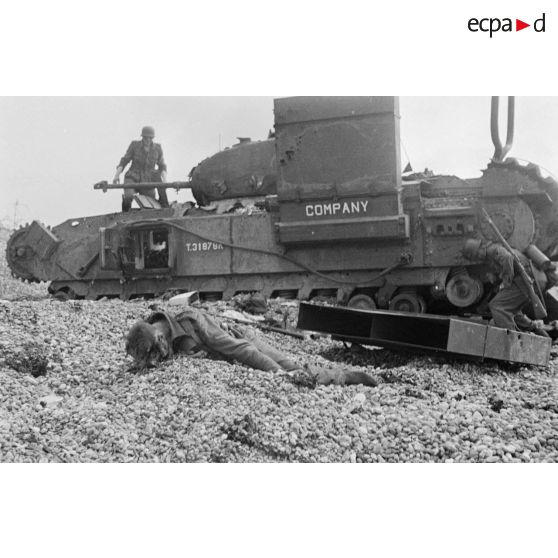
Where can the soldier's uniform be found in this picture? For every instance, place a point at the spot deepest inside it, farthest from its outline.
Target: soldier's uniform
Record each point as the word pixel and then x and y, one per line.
pixel 193 331
pixel 147 165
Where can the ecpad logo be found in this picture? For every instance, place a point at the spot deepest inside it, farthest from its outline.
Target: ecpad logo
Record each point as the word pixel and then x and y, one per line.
pixel 494 24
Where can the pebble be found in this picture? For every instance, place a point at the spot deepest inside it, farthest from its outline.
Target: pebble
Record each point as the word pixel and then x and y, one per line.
pixel 450 447
pixel 50 400
pixel 359 399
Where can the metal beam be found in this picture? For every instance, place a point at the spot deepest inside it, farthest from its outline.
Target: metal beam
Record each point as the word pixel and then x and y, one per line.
pixel 426 333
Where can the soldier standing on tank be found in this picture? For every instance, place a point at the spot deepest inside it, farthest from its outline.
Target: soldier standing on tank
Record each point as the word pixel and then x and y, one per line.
pixel 148 165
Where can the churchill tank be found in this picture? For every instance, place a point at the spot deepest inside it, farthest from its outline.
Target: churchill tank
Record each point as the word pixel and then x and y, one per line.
pixel 320 208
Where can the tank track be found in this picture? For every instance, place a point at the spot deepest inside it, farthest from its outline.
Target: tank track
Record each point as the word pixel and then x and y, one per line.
pixel 547 184
pixel 532 171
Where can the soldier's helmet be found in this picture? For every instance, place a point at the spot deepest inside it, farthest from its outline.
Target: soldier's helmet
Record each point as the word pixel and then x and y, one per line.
pixel 474 249
pixel 147 132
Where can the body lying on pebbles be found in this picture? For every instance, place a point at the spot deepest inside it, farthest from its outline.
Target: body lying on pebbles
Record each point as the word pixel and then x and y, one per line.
pixel 85 405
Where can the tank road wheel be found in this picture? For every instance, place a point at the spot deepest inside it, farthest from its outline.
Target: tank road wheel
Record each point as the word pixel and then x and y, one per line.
pixel 64 294
pixel 463 290
pixel 408 302
pixel 362 302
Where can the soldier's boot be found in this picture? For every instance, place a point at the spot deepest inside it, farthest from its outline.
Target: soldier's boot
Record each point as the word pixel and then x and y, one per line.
pixel 541 332
pixel 126 204
pixel 163 200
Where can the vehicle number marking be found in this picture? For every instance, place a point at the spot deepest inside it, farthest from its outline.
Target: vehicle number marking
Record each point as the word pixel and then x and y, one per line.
pixel 203 246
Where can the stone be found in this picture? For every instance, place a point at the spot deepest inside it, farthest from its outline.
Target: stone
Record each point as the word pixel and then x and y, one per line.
pixel 50 401
pixel 450 447
pixel 184 299
pixel 359 399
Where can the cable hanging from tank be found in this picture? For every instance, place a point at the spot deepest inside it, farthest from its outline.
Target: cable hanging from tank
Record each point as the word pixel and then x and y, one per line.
pixel 405 259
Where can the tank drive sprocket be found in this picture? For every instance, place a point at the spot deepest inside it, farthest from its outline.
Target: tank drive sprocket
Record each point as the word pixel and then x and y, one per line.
pixel 515 221
pixel 545 216
pixel 17 251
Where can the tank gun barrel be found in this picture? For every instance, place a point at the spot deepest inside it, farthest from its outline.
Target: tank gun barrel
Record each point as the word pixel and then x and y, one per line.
pixel 104 186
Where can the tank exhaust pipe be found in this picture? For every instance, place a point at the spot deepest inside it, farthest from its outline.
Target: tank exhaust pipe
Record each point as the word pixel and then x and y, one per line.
pixel 499 151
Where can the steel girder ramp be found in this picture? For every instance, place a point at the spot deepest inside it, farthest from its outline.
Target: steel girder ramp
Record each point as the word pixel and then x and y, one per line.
pixel 425 332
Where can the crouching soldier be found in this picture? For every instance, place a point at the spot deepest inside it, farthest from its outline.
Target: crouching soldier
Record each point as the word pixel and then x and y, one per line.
pixel 518 300
pixel 192 332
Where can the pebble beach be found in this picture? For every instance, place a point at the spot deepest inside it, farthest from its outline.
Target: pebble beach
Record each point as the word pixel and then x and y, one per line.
pixel 67 395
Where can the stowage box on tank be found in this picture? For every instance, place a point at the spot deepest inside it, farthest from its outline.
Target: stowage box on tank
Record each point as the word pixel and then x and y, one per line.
pixel 340 177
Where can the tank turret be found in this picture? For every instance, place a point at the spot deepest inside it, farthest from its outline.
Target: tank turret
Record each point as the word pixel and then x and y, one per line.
pixel 245 170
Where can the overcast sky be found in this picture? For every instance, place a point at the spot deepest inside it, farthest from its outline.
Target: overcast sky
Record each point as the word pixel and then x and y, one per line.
pixel 53 149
